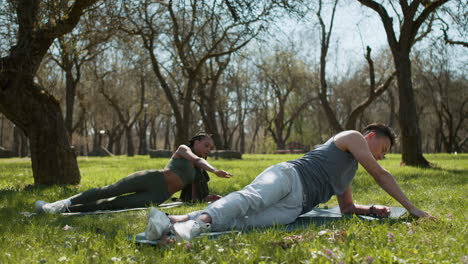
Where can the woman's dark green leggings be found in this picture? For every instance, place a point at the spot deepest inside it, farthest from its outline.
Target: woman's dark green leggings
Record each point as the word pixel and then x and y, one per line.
pixel 139 189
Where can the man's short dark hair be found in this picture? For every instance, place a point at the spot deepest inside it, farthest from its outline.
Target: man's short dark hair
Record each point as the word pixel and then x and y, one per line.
pixel 380 130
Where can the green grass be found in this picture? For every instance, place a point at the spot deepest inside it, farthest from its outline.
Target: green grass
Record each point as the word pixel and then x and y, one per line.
pixel 102 238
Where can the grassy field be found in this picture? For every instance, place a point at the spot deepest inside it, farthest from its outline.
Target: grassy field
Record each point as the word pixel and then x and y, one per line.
pixel 102 238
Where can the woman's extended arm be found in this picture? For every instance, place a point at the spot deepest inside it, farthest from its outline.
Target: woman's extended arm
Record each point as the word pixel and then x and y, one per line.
pixel 185 152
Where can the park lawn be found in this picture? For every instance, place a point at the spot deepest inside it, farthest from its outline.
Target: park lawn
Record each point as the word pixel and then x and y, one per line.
pixel 102 238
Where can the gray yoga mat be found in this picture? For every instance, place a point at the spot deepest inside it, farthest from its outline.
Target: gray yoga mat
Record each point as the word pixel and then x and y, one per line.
pixel 164 206
pixel 321 216
pixel 317 216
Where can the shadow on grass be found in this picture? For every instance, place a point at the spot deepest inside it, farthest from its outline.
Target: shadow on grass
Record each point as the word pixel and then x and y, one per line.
pixel 446 176
pixel 32 190
pixel 13 201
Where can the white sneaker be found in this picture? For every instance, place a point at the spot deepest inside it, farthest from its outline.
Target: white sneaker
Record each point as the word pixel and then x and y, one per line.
pixel 38 206
pixel 55 207
pixel 158 223
pixel 189 229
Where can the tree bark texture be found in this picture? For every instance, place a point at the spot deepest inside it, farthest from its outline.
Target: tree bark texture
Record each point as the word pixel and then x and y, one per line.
pixel 411 146
pixel 401 47
pixel 28 105
pixel 39 115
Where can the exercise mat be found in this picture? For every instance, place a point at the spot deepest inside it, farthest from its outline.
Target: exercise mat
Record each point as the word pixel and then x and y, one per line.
pixel 164 206
pixel 317 216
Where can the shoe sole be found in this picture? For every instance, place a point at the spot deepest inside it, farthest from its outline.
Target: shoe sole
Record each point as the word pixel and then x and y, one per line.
pixel 156 216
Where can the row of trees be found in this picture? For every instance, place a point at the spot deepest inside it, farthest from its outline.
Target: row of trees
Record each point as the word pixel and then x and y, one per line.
pixel 154 72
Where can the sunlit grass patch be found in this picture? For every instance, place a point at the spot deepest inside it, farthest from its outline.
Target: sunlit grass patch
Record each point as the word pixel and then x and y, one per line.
pixel 102 238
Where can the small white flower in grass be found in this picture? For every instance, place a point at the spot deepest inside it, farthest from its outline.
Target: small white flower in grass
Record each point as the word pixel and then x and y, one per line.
pixel 220 249
pixel 7 254
pixel 323 232
pixel 63 259
pixel 314 253
pixel 116 259
pixel 67 228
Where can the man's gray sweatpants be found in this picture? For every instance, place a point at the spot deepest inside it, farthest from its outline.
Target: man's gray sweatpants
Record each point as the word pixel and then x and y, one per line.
pixel 274 197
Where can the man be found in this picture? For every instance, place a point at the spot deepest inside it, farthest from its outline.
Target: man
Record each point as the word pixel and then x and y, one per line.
pixel 284 191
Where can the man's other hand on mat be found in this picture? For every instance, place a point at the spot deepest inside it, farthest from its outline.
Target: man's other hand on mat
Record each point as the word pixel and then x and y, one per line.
pixel 381 211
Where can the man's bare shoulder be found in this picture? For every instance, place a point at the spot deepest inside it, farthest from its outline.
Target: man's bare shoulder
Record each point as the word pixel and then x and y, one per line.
pixel 345 139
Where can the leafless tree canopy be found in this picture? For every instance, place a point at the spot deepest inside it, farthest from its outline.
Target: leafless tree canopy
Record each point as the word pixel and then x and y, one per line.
pixel 97 77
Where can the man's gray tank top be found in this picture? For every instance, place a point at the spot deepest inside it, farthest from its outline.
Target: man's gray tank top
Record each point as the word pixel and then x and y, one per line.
pixel 324 172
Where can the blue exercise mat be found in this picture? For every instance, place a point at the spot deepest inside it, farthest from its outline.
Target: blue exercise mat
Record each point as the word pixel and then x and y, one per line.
pixel 321 216
pixel 317 216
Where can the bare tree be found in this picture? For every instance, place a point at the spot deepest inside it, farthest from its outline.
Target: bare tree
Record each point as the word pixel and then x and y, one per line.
pixel 75 49
pixel 375 88
pixel 284 76
pixel 182 37
pixel 126 109
pixel 373 93
pixel 448 96
pixel 208 99
pixel 414 14
pixel 453 21
pixel 26 103
pixel 324 47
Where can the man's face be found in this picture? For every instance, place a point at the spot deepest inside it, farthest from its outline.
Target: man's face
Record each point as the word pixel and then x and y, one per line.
pixel 378 145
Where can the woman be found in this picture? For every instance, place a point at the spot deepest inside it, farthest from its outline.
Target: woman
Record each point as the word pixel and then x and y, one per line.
pixel 144 187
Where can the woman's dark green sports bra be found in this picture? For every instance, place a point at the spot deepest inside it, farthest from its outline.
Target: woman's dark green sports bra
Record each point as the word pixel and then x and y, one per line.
pixel 183 168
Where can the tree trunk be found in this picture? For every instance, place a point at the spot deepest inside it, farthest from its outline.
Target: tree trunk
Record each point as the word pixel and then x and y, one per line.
pixel 143 146
pixel 153 137
pixel 31 107
pixel 211 125
pixel 70 91
pixel 254 138
pixel 20 142
pixel 242 137
pixel 408 118
pixel 167 140
pixel 37 113
pixel 208 113
pixel 130 147
pixel 391 115
pixel 1 130
pixel 118 145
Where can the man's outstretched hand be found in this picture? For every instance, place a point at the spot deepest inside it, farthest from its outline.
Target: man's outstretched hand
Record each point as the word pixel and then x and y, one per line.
pixel 421 214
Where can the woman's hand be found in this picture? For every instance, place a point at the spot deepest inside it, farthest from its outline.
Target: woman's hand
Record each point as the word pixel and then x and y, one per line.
pixel 222 174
